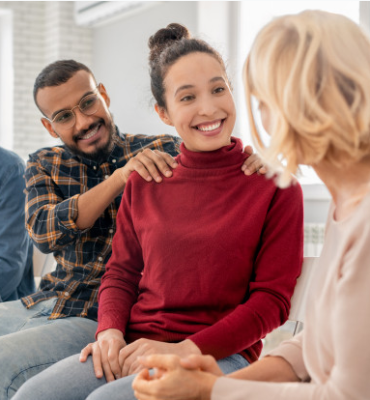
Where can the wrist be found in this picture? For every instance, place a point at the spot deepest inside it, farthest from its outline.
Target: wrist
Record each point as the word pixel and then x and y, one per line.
pixel 118 180
pixel 207 383
pixel 110 334
pixel 188 347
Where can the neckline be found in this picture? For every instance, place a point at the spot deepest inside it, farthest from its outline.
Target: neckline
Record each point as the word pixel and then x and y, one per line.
pixel 352 215
pixel 224 157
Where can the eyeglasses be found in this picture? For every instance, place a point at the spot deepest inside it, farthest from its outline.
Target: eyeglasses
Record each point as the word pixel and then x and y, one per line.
pixel 66 119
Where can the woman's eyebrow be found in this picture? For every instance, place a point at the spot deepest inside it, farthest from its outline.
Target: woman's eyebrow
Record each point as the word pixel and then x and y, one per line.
pixel 183 88
pixel 215 79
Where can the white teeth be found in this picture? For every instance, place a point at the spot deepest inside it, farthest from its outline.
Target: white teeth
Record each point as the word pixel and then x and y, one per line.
pixel 91 133
pixel 207 128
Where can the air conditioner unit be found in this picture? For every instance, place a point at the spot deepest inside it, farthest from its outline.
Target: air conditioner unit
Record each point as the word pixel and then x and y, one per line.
pixel 97 13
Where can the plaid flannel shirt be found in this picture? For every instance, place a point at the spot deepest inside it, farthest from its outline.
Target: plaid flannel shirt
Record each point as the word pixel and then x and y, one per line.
pixel 55 178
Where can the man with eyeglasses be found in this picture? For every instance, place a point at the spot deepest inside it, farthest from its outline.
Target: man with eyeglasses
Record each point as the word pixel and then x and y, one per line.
pixel 73 194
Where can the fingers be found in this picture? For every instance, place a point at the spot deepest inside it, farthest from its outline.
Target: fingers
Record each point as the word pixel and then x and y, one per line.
pixel 142 386
pixel 150 164
pixel 248 150
pixel 127 356
pixel 168 161
pixel 113 358
pixel 105 358
pixel 85 352
pixel 262 170
pixel 204 363
pixel 135 367
pixel 160 361
pixel 97 363
pixel 252 164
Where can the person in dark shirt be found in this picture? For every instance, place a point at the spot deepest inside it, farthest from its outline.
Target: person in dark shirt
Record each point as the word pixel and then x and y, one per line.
pixel 16 249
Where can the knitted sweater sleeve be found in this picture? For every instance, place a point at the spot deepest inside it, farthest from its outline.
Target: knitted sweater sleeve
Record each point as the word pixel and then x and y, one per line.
pixel 277 265
pixel 119 285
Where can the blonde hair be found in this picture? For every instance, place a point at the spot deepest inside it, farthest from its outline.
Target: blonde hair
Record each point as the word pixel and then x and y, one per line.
pixel 313 72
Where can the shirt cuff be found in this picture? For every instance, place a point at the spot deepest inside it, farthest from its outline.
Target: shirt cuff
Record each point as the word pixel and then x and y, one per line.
pixel 67 213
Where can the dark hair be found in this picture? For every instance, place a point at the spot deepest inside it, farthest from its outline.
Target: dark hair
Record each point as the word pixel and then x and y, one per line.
pixel 168 45
pixel 56 74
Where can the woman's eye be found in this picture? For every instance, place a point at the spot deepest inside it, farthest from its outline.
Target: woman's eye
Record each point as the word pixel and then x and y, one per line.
pixel 219 90
pixel 187 98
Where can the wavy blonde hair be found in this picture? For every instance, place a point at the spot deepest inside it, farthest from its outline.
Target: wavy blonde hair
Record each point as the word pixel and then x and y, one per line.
pixel 313 72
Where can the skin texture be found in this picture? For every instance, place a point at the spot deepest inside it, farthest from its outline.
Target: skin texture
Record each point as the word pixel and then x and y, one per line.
pixel 199 102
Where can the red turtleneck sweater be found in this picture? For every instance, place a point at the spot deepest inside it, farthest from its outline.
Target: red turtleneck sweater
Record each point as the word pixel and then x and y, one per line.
pixel 210 255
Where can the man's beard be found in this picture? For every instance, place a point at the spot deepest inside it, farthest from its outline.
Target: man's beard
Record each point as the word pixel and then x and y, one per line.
pixel 101 154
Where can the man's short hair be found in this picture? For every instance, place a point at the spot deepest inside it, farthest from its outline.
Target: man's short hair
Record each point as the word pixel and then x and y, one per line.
pixel 56 74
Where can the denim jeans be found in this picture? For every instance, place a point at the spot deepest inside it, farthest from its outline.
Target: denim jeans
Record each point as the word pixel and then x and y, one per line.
pixel 70 379
pixel 30 343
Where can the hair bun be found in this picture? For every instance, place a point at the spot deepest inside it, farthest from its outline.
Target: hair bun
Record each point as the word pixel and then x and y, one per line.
pixel 165 37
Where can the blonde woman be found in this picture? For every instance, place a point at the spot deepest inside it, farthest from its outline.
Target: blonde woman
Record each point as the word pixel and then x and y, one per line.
pixel 311 76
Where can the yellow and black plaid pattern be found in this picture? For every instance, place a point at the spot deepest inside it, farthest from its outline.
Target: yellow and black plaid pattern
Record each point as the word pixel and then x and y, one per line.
pixel 55 179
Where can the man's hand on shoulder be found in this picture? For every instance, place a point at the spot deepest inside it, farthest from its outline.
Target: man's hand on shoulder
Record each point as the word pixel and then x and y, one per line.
pixel 253 163
pixel 149 164
pixel 153 164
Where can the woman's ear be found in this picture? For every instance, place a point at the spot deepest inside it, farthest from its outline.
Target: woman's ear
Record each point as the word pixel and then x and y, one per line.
pixel 163 115
pixel 49 127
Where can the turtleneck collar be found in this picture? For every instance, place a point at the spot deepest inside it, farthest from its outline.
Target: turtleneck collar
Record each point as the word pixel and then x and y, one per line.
pixel 224 157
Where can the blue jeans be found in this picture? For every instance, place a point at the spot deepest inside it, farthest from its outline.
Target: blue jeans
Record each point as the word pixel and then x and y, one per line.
pixel 30 343
pixel 70 379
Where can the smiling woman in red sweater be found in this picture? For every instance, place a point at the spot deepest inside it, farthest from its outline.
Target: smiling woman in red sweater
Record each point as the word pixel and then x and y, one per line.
pixel 310 73
pixel 205 262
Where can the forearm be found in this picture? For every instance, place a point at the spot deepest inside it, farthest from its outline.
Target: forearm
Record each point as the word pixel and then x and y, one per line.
pixel 246 325
pixel 92 203
pixel 268 369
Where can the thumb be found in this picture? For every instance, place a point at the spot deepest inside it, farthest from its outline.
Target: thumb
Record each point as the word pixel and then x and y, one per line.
pixel 248 150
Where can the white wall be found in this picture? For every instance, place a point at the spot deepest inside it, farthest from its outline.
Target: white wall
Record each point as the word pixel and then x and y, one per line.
pixel 120 62
pixel 43 32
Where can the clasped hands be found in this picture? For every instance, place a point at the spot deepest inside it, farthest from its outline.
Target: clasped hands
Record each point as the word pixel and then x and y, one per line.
pixel 175 378
pixel 114 359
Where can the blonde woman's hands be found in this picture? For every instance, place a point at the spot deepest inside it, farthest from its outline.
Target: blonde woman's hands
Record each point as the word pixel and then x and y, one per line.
pixel 171 380
pixel 105 354
pixel 203 363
